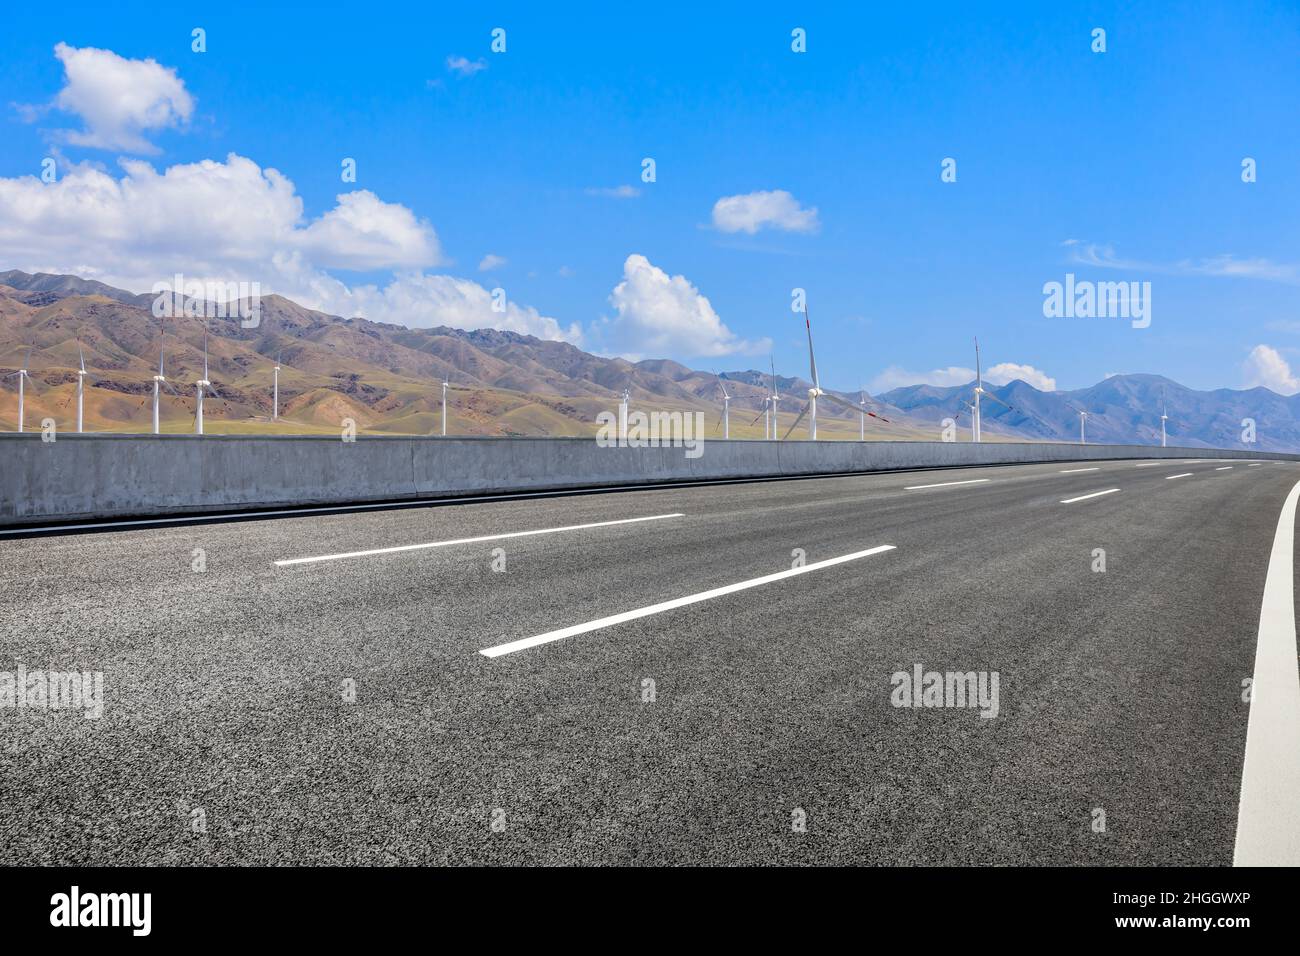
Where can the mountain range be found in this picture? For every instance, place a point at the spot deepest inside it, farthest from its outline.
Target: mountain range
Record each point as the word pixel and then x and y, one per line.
pixel 387 378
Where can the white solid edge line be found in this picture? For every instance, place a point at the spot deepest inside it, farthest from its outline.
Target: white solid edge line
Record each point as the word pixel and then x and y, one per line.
pixel 945 484
pixel 527 642
pixel 1186 474
pixel 1095 494
pixel 486 537
pixel 1074 471
pixel 1268 820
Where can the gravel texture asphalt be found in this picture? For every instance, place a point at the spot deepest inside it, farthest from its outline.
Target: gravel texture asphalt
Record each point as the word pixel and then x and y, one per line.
pixel 231 735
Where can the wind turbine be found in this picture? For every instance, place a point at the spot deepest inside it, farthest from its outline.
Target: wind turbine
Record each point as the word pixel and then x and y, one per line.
pixel 445 387
pixel 775 397
pixel 817 390
pixel 1164 415
pixel 769 408
pixel 81 386
pixel 199 386
pixel 1083 418
pixel 23 376
pixel 726 409
pixel 622 416
pixel 203 386
pixel 813 392
pixel 159 381
pixel 977 426
pixel 275 396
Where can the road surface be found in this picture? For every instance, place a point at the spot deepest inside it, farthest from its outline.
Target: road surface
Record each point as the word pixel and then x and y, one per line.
pixel 344 711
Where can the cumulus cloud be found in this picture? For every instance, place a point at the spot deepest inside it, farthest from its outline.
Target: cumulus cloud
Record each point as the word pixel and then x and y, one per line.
pixel 235 221
pixel 119 100
pixel 490 262
pixel 1265 366
pixel 426 301
pixel 660 314
pixel 464 66
pixel 775 209
pixel 1005 372
pixel 1001 374
pixel 208 215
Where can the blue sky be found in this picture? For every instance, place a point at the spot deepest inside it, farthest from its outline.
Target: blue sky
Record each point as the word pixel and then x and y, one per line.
pixel 1122 165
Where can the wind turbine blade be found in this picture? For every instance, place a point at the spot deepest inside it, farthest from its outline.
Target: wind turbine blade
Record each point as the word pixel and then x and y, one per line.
pixel 760 415
pixel 979 376
pixel 168 385
pixel 856 409
pixel 802 412
pixel 772 362
pixel 836 400
pixel 81 356
pixel 1000 401
pixel 812 358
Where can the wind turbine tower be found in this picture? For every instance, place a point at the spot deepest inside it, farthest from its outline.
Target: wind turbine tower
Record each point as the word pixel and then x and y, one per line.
pixel 23 376
pixel 199 387
pixel 726 410
pixel 81 387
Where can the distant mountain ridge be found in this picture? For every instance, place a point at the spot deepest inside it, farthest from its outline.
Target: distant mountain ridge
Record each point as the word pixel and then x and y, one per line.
pixel 387 378
pixel 1122 409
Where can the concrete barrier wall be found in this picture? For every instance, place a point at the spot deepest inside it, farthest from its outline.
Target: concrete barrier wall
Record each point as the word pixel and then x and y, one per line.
pixel 113 476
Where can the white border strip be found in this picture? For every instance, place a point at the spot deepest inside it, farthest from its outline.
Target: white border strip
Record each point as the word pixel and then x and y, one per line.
pixel 613 619
pixel 486 537
pixel 1268 821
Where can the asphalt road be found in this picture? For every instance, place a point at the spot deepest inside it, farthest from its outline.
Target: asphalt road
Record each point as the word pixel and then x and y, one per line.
pixel 229 734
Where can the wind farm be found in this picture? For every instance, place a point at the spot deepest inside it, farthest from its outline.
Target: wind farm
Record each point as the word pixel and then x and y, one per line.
pixel 282 379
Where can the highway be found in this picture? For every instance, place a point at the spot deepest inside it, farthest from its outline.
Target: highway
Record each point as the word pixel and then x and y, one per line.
pixel 372 705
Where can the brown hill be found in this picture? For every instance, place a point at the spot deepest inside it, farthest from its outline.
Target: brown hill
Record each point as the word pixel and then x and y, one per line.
pixel 385 377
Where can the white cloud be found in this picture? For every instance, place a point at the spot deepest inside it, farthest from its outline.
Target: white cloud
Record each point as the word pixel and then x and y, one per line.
pixel 896 377
pixel 1265 366
pixel 1005 372
pixel 119 99
pixel 490 262
pixel 465 67
pixel 364 232
pixel 1220 266
pixel 425 301
pixel 234 221
pixel 662 315
pixel 753 211
pixel 207 216
pixel 614 192
pixel 1001 374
